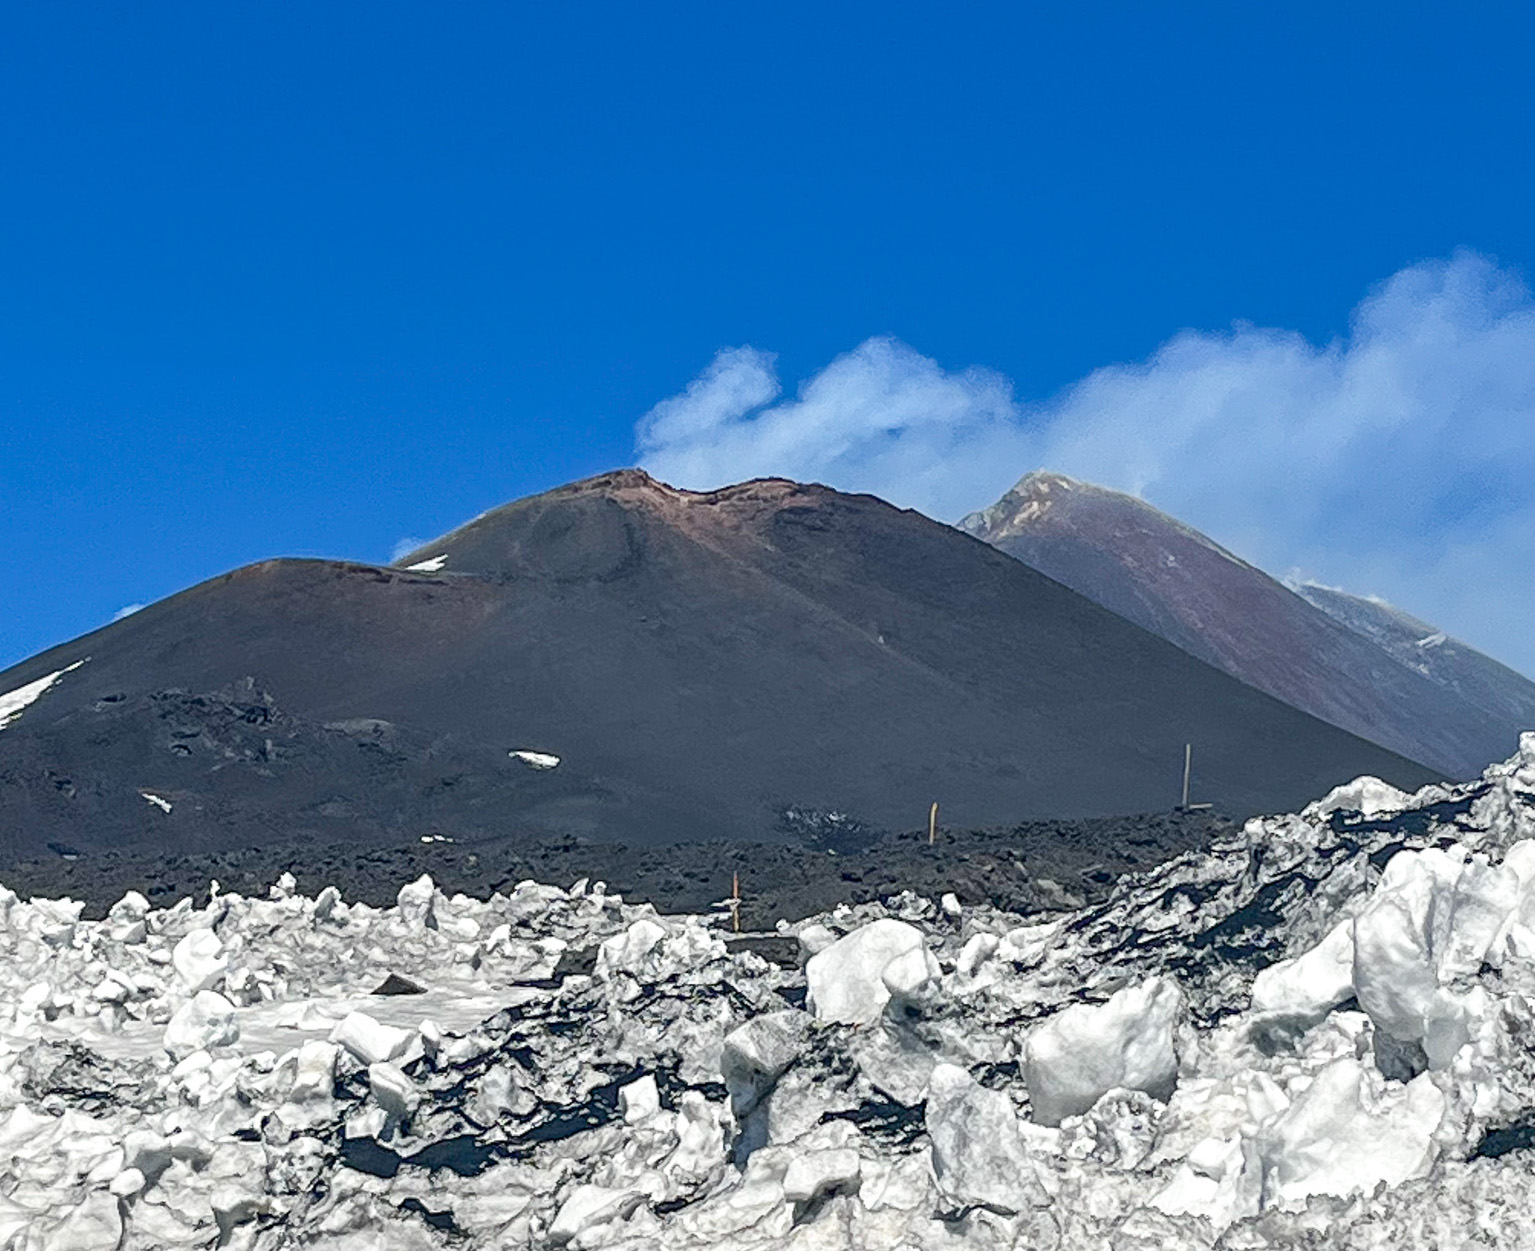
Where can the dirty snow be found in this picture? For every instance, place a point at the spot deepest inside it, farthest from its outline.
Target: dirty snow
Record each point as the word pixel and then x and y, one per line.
pixel 1316 1034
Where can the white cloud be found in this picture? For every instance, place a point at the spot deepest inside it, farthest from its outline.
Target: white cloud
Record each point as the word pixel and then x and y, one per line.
pixel 883 418
pixel 127 610
pixel 403 547
pixel 1398 461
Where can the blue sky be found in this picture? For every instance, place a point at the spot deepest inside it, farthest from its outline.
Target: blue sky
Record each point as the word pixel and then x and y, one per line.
pixel 310 279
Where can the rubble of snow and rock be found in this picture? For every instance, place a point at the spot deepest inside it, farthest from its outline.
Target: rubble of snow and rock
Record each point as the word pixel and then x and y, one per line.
pixel 1319 1032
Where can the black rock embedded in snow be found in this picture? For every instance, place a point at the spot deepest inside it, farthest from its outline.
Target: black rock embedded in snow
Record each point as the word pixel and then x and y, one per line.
pixel 394 984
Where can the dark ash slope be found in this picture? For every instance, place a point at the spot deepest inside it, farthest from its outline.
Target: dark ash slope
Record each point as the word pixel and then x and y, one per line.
pixel 699 662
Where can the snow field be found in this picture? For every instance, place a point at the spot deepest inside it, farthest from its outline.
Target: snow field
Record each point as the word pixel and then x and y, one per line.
pixel 1320 1029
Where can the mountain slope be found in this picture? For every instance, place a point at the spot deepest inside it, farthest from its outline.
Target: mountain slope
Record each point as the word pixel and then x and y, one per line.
pixel 1170 579
pixel 697 663
pixel 1480 680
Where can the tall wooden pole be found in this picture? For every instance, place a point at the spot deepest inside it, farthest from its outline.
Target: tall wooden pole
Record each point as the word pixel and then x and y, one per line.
pixel 932 824
pixel 1188 759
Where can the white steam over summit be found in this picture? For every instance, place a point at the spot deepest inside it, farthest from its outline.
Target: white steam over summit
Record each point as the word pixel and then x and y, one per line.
pixel 1319 1030
pixel 1396 460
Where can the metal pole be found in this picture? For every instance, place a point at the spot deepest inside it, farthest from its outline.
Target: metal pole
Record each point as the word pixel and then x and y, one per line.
pixel 1188 759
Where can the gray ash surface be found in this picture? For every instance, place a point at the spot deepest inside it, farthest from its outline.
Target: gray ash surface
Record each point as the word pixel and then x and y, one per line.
pixel 1033 865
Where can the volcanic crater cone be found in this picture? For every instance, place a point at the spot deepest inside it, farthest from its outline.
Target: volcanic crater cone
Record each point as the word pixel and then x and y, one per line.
pixel 616 659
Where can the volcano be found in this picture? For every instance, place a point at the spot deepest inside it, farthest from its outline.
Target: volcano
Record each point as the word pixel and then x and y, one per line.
pixel 1352 663
pixel 620 660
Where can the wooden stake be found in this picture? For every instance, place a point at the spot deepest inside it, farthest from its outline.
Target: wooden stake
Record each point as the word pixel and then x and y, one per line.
pixel 932 824
pixel 735 902
pixel 1188 759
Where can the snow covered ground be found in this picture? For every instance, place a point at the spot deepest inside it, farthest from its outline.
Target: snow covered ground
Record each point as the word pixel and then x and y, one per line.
pixel 1319 1033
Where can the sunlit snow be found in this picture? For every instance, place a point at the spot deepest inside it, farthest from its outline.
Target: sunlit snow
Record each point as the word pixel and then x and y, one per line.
pixel 1315 1034
pixel 163 804
pixel 430 565
pixel 14 703
pixel 536 759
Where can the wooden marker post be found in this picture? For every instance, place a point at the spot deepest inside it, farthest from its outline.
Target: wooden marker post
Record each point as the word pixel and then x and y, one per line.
pixel 932 824
pixel 735 902
pixel 1188 759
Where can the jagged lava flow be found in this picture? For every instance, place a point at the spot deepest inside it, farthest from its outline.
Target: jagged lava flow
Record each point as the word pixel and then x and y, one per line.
pixel 1318 1033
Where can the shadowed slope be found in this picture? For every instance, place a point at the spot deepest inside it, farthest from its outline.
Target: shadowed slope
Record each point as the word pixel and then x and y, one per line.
pixel 698 663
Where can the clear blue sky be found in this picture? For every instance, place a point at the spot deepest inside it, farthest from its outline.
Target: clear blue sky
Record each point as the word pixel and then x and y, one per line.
pixel 306 278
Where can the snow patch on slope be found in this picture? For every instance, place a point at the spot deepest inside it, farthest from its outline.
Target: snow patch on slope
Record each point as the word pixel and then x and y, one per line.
pixel 14 703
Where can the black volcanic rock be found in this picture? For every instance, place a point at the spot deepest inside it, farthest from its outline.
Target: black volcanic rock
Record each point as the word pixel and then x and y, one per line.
pixel 1165 576
pixel 699 664
pixel 1022 867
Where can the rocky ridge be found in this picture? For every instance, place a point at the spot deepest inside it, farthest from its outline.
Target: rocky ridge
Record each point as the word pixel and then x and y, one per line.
pixel 1477 678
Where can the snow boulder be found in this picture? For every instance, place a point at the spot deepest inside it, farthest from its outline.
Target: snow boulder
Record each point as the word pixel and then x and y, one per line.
pixel 755 1055
pixel 370 1040
pixel 1082 1052
pixel 1310 985
pixel 639 1100
pixel 199 960
pixel 911 979
pixel 314 1071
pixel 831 1170
pixel 416 904
pixel 588 1207
pixel 979 1159
pixel 1433 916
pixel 1368 796
pixel 846 980
pixel 626 952
pixel 1348 1132
pixel 392 1090
pixel 205 1020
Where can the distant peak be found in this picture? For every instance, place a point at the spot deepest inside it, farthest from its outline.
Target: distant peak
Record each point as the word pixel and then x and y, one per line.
pixel 1043 481
pixel 1031 498
pixel 1045 501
